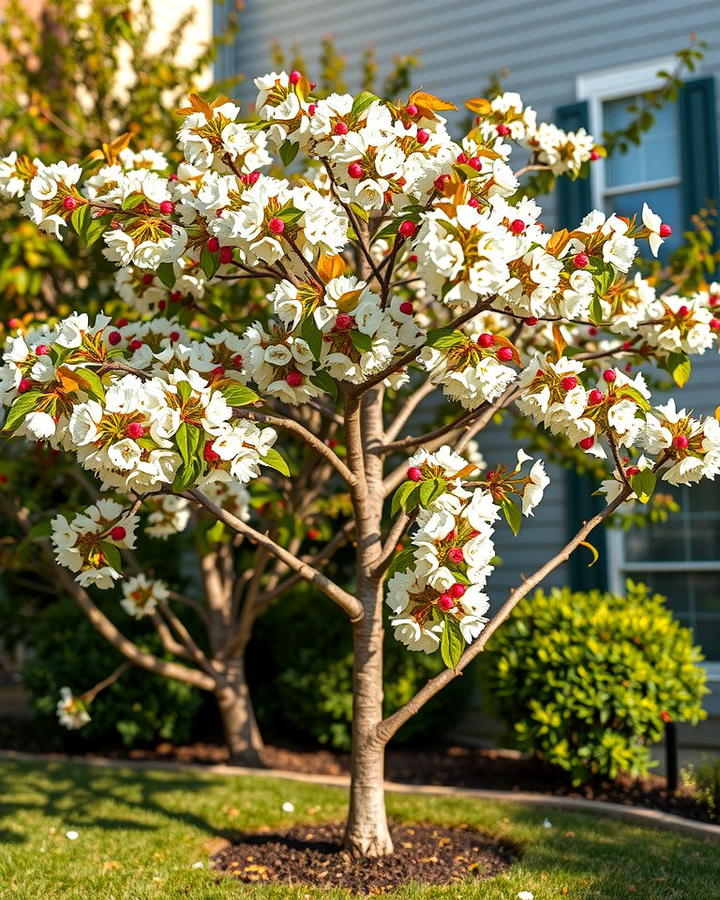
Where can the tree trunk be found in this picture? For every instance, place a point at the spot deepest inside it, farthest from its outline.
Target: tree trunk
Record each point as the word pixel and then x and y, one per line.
pixel 241 731
pixel 367 833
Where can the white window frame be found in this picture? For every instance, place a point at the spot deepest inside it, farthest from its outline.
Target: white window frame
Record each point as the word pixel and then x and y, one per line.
pixel 612 84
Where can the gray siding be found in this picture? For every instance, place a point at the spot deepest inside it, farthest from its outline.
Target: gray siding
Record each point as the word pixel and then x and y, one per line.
pixel 542 47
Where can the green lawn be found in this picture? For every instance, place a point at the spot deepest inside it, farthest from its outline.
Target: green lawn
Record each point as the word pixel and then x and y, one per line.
pixel 141 832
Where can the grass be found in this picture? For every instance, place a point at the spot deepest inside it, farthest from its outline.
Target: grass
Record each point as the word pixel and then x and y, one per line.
pixel 141 832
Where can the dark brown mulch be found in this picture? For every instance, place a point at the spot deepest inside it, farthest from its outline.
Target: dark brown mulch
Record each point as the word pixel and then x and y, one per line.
pixel 313 855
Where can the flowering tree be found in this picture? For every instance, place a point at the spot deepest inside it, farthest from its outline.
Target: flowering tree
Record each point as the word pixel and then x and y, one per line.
pixel 395 262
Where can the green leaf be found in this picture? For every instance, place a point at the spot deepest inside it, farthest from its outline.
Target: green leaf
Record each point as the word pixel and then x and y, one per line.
pixel 188 439
pixel 325 382
pixel 288 151
pixel 512 514
pixel 431 490
pixel 400 496
pixel 209 262
pixel 132 201
pixel 679 366
pixel 185 475
pixel 643 484
pixel 111 555
pixel 363 101
pixel 290 215
pixel 24 404
pixel 166 273
pixel 401 561
pixel 452 643
pixel 445 338
pixel 312 336
pixel 361 342
pixel 184 389
pixel 596 314
pixel 80 218
pixel 273 459
pixel 39 530
pixel 387 231
pixel 93 380
pixel 239 395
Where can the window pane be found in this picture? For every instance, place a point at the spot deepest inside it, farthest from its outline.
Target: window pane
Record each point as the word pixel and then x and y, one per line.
pixel 658 154
pixel 676 586
pixel 706 592
pixel 666 202
pixel 707 634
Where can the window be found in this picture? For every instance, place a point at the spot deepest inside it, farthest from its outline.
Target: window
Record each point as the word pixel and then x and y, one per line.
pixel 679 558
pixel 648 173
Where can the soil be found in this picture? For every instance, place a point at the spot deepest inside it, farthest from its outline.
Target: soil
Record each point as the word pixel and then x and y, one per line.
pixel 314 855
pixel 453 765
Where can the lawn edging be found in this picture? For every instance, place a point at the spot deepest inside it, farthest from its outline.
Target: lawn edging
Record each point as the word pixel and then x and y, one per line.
pixel 639 815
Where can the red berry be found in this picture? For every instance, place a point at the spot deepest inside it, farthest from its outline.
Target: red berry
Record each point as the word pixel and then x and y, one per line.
pixel 250 178
pixel 714 300
pixel 440 182
pixel 313 85
pixel 135 344
pixel 594 155
pixel 42 350
pixel 175 296
pixel 665 230
pixel 208 453
pixel 237 361
pixel 344 321
pixel 451 535
pixel 569 382
pixel 294 379
pixel 355 170
pixel 118 533
pixel 502 130
pixel 592 331
pixel 167 207
pixel 313 534
pixel 486 340
pixel 682 312
pixel 311 109
pixel 277 226
pixel 217 372
pixel 580 260
pixel 475 163
pixel 70 203
pixel 173 177
pixel 505 354
pixel 445 602
pixel 457 590
pixel 461 159
pixel 411 110
pixel 414 473
pixel 586 443
pixel 161 304
pixel 680 442
pixel 631 471
pixel 609 375
pixel 174 335
pixel 715 324
pixel 595 396
pixel 24 385
pixel 134 430
pixel 114 338
pixel 147 278
pixel 407 309
pixel 456 555
pixel 531 320
pixel 226 254
pixel 294 76
pixel 474 202
pixel 517 226
pixel 213 245
pixel 407 229
pixel 340 128
pixel 422 136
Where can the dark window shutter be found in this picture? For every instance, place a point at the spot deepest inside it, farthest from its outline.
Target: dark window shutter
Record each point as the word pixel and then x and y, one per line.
pixel 699 147
pixel 575 202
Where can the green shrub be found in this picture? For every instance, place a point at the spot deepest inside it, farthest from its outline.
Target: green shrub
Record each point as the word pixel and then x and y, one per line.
pixel 300 675
pixel 140 708
pixel 582 680
pixel 704 780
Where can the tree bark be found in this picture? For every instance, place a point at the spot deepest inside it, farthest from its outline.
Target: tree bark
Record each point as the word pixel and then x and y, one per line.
pixel 367 832
pixel 242 734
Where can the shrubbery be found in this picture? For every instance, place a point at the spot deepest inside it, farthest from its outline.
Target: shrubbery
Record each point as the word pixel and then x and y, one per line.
pixel 585 681
pixel 308 693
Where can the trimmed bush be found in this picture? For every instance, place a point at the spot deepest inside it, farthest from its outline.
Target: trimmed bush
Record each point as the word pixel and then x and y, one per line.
pixel 585 681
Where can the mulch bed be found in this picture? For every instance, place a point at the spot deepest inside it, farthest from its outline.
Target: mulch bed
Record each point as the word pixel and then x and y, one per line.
pixel 452 765
pixel 313 855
